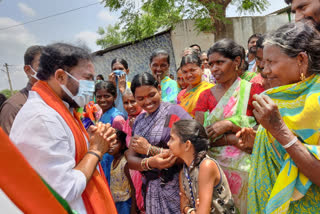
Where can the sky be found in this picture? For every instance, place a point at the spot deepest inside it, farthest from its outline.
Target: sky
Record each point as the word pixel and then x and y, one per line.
pixel 76 27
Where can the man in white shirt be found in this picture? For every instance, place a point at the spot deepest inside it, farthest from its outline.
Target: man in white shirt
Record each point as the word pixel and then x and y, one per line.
pixel 52 138
pixel 252 50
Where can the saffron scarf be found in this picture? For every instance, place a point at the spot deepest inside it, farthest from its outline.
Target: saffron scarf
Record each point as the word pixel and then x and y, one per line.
pixel 274 177
pixel 23 185
pixel 96 197
pixel 189 99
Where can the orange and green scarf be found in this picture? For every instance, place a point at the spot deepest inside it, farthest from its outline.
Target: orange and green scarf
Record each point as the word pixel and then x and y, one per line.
pixel 96 197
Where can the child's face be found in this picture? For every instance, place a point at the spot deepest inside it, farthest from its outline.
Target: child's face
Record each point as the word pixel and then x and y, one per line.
pixel 115 149
pixel 104 99
pixel 175 145
pixel 130 105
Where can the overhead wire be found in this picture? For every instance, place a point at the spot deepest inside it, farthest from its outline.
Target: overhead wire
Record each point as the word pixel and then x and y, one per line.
pixel 50 16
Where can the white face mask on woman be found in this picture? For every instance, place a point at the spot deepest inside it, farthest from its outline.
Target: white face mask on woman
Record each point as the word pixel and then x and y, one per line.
pixel 85 91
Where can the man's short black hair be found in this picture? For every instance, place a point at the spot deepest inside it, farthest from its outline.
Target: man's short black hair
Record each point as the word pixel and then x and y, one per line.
pixel 259 42
pixel 256 35
pixel 197 46
pixel 288 1
pixel 31 53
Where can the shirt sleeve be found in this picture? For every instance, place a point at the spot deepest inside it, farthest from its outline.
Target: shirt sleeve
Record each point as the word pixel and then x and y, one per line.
pixel 202 103
pixel 47 143
pixel 7 116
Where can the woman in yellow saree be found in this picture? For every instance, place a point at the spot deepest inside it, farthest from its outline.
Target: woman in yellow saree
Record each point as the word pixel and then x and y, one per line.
pixel 284 177
pixel 192 74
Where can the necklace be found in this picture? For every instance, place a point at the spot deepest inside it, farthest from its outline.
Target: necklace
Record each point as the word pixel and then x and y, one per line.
pixel 116 162
pixel 187 174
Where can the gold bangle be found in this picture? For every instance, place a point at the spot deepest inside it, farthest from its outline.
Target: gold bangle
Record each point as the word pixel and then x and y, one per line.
pixel 147 164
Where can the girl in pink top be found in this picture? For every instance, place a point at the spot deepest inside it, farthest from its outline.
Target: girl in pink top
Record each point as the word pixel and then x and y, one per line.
pixel 133 110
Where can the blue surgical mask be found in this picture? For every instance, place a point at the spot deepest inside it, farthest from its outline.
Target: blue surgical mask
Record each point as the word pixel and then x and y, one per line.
pixel 85 91
pixel 118 73
pixel 35 73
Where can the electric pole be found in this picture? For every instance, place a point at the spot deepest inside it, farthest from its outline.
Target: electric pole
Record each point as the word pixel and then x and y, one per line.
pixel 9 80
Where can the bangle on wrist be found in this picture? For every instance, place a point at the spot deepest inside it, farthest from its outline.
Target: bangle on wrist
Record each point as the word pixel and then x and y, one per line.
pixel 145 164
pixel 225 139
pixel 95 154
pixel 184 209
pixel 291 143
pixel 148 149
pixel 190 210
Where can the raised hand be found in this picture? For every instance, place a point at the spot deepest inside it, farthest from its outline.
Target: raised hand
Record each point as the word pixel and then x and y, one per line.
pixel 102 136
pixel 162 161
pixel 139 144
pixel 122 83
pixel 267 114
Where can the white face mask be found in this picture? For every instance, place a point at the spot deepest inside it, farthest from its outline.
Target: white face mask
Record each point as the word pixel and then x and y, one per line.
pixel 35 73
pixel 85 91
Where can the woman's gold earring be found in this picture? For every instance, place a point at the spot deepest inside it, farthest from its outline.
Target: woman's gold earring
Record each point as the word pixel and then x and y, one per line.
pixel 302 77
pixel 237 68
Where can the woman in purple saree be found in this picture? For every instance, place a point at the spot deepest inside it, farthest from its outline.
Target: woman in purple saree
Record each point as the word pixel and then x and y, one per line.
pixel 148 151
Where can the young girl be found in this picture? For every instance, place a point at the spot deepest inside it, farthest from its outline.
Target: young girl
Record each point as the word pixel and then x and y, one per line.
pixel 121 185
pixel 203 185
pixel 106 94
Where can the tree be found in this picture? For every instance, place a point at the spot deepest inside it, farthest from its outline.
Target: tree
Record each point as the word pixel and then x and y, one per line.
pixel 7 92
pixel 143 18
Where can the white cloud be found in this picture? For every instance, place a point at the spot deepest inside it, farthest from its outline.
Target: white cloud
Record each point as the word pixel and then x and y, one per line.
pixel 25 9
pixel 88 38
pixel 13 43
pixel 106 16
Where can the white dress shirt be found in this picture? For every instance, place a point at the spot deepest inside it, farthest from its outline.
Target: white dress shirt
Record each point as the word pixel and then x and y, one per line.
pixel 47 142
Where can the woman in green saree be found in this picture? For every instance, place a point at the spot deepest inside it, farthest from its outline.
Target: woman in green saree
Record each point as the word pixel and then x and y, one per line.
pixel 225 109
pixel 284 177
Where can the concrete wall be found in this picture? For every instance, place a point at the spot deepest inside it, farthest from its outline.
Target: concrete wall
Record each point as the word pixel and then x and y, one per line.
pixel 239 29
pixel 137 55
pixel 183 35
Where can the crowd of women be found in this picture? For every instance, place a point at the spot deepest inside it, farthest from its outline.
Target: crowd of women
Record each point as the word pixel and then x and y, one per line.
pixel 222 144
pixel 228 141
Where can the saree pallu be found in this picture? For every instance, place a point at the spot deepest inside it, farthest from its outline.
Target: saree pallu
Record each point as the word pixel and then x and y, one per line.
pixel 234 162
pixel 189 99
pixel 248 75
pixel 275 184
pixel 169 90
